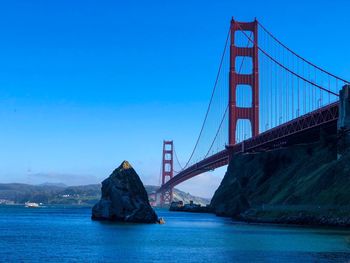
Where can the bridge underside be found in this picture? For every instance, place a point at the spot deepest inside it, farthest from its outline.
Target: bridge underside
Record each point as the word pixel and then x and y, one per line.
pixel 306 128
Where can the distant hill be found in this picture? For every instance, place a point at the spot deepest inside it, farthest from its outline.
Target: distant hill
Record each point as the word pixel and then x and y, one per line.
pixel 50 193
pixel 187 197
pixel 53 184
pixel 181 196
pixel 71 195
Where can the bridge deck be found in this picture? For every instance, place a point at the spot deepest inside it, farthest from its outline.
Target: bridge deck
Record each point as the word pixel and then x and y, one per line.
pixel 275 137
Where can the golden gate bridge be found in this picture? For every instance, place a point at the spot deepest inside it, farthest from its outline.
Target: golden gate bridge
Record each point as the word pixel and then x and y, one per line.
pixel 264 96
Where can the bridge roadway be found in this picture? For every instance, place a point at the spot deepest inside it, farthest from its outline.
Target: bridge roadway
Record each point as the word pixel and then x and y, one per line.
pixel 298 130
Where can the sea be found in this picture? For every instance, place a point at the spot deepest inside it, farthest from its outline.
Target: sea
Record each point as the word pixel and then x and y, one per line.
pixel 67 234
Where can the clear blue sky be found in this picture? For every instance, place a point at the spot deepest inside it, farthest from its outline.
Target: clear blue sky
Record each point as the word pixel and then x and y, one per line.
pixel 87 84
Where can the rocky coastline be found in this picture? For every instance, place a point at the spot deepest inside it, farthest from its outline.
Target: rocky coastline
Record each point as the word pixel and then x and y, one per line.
pixel 331 218
pixel 303 184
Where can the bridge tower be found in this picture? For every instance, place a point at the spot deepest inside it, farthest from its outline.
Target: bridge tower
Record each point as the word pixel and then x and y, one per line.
pixel 236 78
pixel 167 171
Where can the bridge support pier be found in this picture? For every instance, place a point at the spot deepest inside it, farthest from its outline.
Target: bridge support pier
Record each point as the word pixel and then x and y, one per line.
pixel 166 197
pixel 236 78
pixel 343 124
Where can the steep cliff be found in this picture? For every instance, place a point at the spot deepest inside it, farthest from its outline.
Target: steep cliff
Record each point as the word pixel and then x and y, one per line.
pixel 298 184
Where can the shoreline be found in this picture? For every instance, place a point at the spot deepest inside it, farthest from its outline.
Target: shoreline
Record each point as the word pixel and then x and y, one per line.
pixel 258 217
pixel 328 218
pixel 302 219
pixel 321 218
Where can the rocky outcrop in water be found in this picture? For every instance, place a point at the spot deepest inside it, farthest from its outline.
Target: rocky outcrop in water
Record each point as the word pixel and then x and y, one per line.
pixel 124 198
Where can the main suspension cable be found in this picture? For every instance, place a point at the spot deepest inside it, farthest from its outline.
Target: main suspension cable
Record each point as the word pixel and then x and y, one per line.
pixel 177 160
pixel 284 67
pixel 211 99
pixel 300 57
pixel 223 117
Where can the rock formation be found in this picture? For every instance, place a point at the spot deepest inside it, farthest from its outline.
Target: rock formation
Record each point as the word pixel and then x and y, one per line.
pixel 124 198
pixel 343 124
pixel 301 184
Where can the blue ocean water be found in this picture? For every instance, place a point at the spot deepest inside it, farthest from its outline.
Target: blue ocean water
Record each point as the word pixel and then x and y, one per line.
pixel 66 234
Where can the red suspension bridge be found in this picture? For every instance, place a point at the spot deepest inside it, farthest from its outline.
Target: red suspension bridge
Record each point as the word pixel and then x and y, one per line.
pixel 265 95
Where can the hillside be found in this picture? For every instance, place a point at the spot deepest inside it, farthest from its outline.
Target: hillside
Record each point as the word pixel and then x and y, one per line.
pixel 299 184
pixel 187 197
pixel 69 195
pixel 50 194
pixel 182 196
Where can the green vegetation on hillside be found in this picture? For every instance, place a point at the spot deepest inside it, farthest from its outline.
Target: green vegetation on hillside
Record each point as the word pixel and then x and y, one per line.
pixel 297 180
pixel 70 195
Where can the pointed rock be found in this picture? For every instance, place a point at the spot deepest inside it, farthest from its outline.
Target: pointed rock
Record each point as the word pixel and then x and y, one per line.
pixel 124 198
